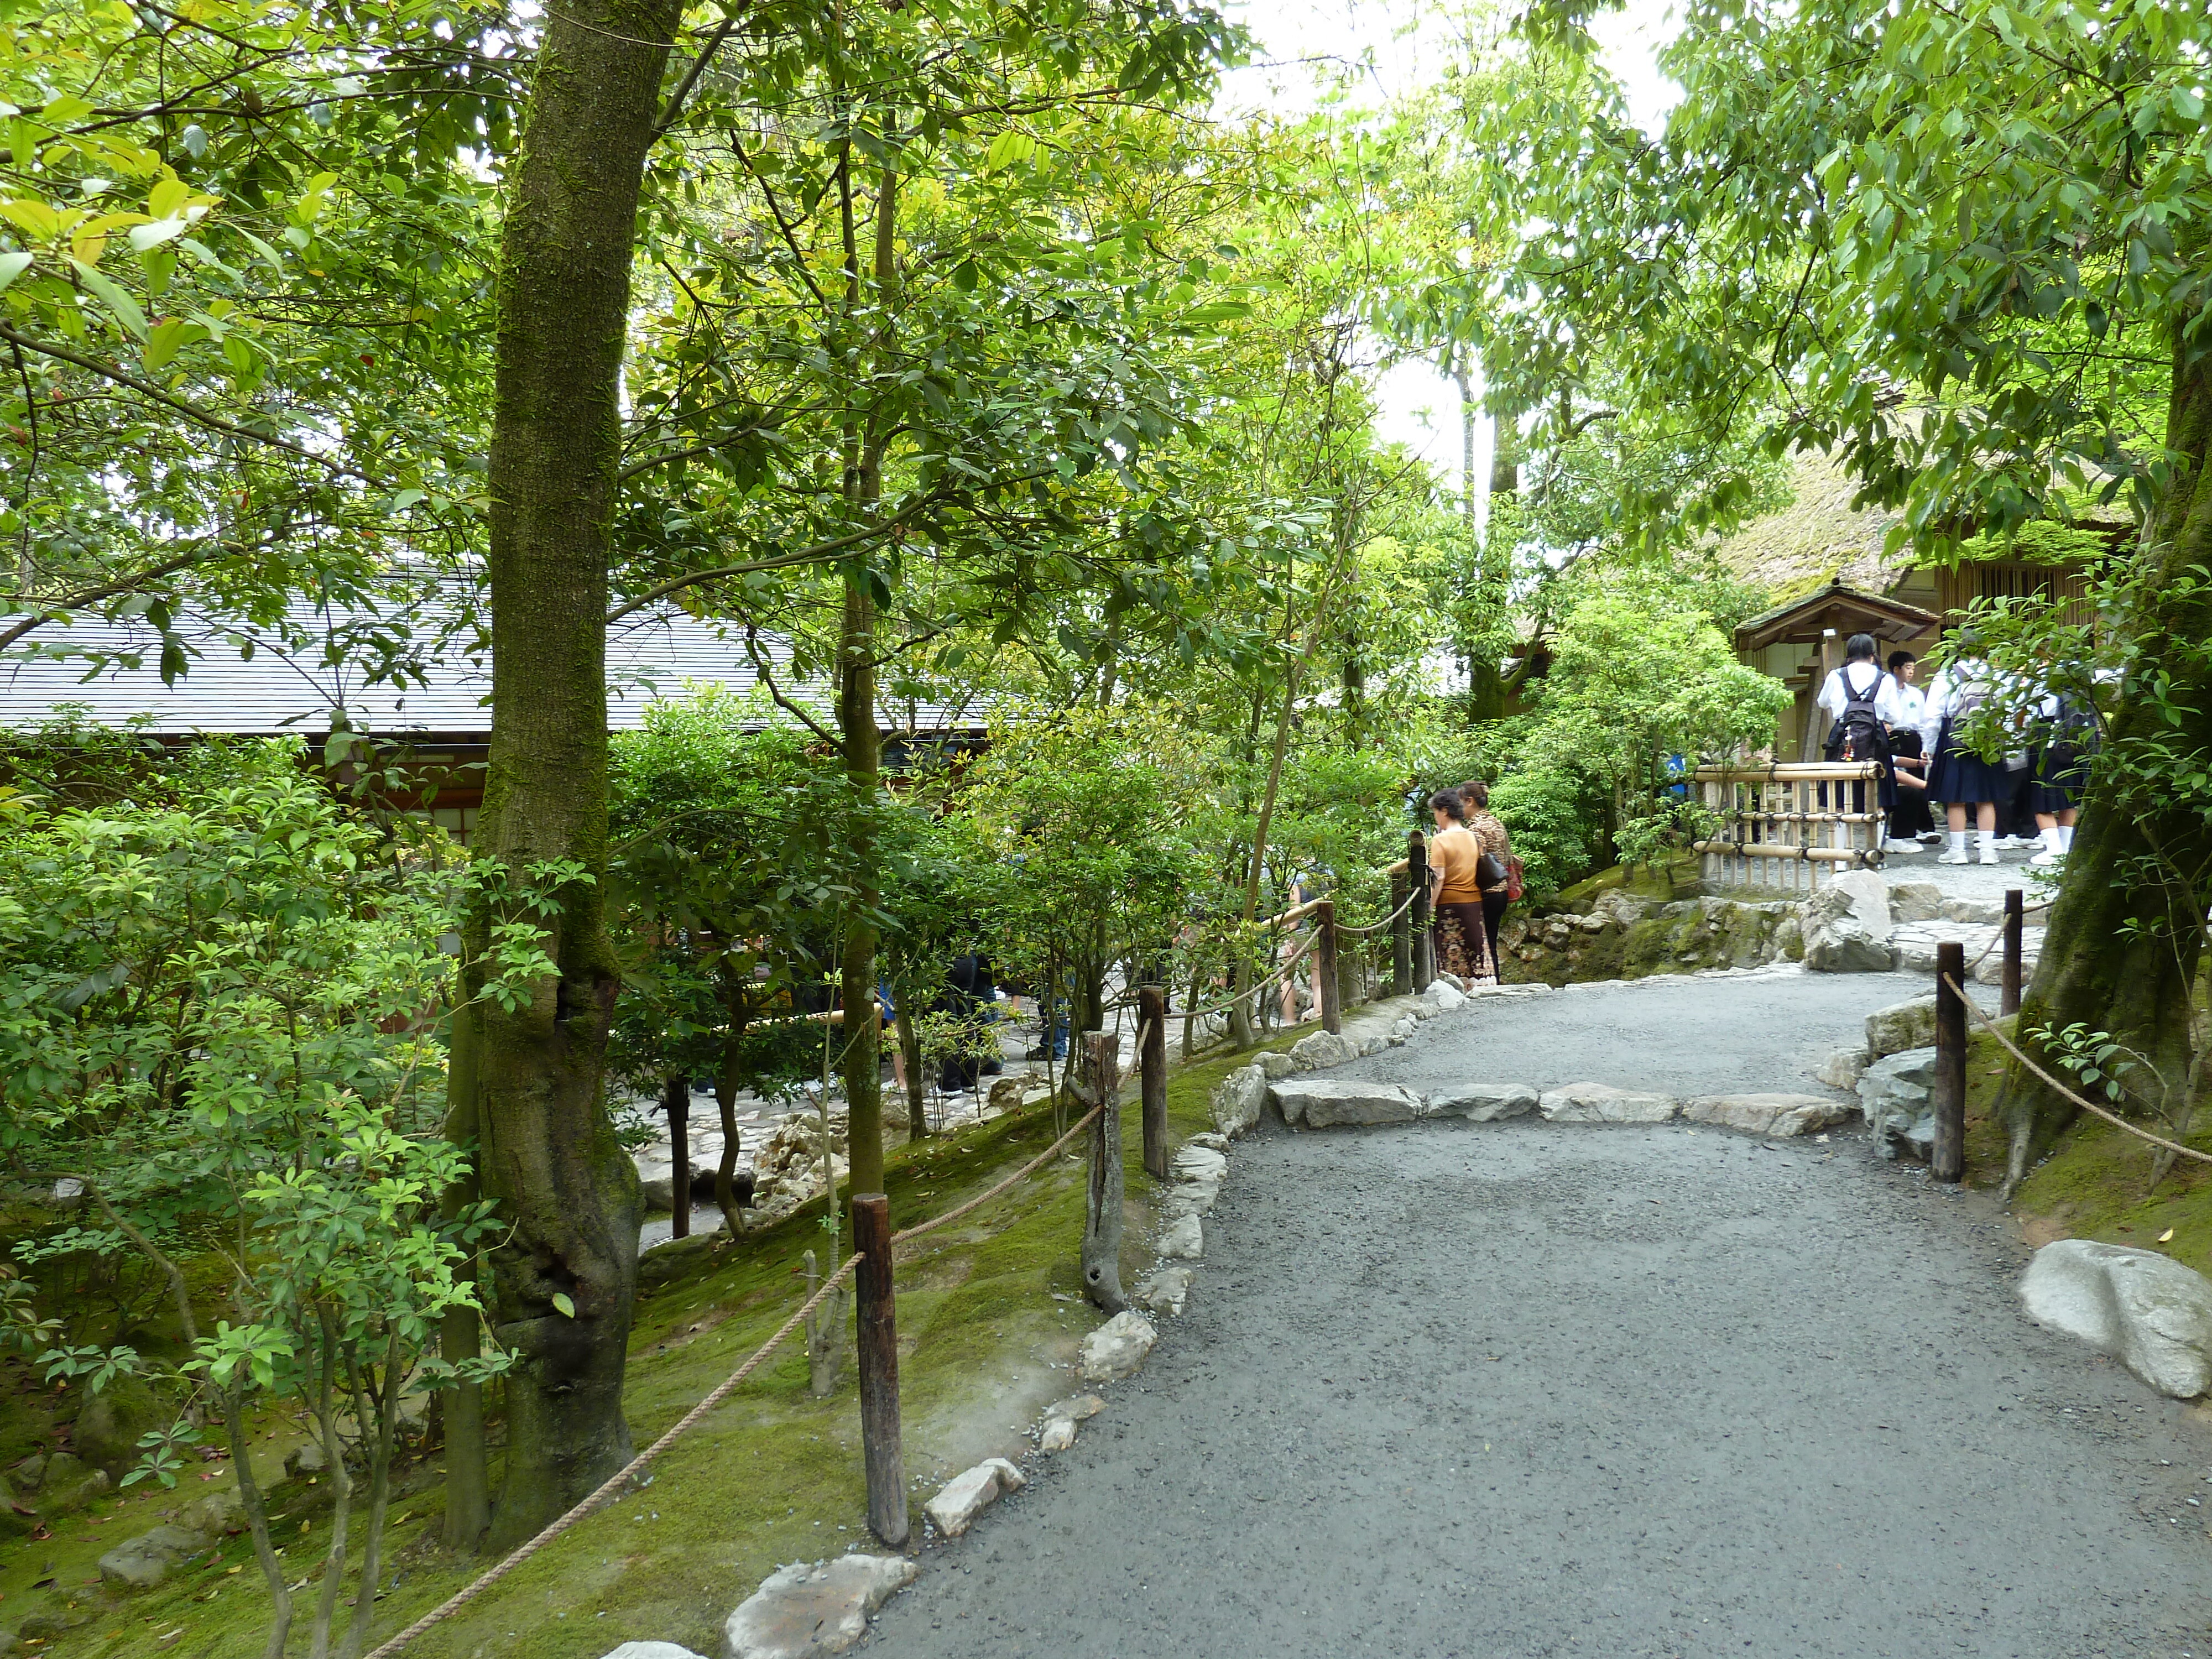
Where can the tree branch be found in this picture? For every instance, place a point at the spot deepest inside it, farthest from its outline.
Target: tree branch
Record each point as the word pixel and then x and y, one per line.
pixel 767 679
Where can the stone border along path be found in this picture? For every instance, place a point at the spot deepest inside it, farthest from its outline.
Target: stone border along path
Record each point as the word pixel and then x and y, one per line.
pixel 1782 1404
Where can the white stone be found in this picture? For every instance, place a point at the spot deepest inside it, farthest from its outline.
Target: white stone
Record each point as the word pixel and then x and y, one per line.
pixel 1987 913
pixel 1774 1115
pixel 1218 1143
pixel 1184 1239
pixel 1321 1049
pixel 1376 1045
pixel 1191 1198
pixel 1485 1102
pixel 809 1609
pixel 1406 1027
pixel 1166 1290
pixel 1195 1163
pixel 1057 1435
pixel 1600 1102
pixel 1841 1069
pixel 1118 1347
pixel 1443 998
pixel 1847 926
pixel 1275 1064
pixel 1236 1100
pixel 652 1651
pixel 2148 1309
pixel 1894 1097
pixel 1077 1408
pixel 1900 1026
pixel 971 1491
pixel 1322 1103
pixel 1915 901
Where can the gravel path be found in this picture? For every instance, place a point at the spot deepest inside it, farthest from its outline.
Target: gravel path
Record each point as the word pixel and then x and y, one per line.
pixel 1496 1390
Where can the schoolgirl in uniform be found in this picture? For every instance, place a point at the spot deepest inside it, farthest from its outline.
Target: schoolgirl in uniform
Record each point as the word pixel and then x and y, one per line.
pixel 2062 772
pixel 1863 702
pixel 1958 776
pixel 1909 820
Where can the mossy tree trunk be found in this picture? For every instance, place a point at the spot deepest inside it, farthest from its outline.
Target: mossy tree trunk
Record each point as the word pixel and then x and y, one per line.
pixel 2126 933
pixel 565 1189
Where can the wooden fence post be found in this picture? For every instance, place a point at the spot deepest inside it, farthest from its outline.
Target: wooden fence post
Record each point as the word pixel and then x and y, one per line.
pixel 676 1096
pixel 1417 875
pixel 878 1344
pixel 1401 938
pixel 1947 1161
pixel 1152 1070
pixel 1101 1213
pixel 1331 1009
pixel 2015 917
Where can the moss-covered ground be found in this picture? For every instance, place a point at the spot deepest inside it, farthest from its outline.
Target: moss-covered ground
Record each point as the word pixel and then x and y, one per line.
pixel 986 1310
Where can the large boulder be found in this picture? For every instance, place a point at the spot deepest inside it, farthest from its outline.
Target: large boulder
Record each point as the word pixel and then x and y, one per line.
pixel 2148 1309
pixel 1320 1050
pixel 1236 1100
pixel 1847 926
pixel 1118 1347
pixel 1771 1114
pixel 142 1562
pixel 809 1610
pixel 1323 1103
pixel 1485 1102
pixel 652 1651
pixel 971 1491
pixel 1901 1025
pixel 1843 1068
pixel 1893 1096
pixel 1600 1103
pixel 109 1425
pixel 1276 1064
pixel 1184 1240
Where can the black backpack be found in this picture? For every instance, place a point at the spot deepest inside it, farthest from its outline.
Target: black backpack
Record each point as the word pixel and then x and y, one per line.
pixel 1858 731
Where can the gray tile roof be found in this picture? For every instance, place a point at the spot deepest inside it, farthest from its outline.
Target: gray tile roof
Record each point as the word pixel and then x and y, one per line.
pixel 649 658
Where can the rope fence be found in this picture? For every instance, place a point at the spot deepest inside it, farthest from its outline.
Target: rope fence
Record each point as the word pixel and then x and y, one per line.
pixel 2091 1106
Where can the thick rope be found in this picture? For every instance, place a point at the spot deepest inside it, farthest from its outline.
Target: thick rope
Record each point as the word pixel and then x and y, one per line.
pixel 1027 1169
pixel 609 1489
pixel 2113 1118
pixel 1377 926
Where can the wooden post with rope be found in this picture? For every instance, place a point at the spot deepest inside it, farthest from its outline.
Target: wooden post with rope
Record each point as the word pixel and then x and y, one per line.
pixel 1947 1161
pixel 1152 1071
pixel 1417 874
pixel 1100 1085
pixel 1325 980
pixel 1401 936
pixel 2015 918
pixel 878 1329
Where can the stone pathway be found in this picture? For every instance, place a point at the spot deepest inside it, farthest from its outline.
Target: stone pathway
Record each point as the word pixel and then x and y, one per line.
pixel 1451 1388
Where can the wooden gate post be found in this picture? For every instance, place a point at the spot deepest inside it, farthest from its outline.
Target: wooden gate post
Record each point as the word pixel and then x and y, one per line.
pixel 1401 938
pixel 1152 1071
pixel 1102 1213
pixel 879 1346
pixel 1331 1009
pixel 1417 874
pixel 2015 915
pixel 1947 1161
pixel 676 1096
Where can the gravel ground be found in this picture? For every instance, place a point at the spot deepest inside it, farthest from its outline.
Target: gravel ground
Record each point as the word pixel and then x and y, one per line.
pixel 1525 1389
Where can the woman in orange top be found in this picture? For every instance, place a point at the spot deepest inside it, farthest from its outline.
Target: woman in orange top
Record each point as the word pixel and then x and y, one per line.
pixel 1462 946
pixel 1482 823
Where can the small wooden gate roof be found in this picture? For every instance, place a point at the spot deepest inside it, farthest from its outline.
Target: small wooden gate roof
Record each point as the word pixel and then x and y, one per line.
pixel 1847 609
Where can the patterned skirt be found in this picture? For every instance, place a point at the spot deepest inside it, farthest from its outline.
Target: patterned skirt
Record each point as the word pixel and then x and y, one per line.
pixel 1461 942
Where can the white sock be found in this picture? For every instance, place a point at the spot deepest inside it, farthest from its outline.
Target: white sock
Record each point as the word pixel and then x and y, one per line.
pixel 1958 840
pixel 2051 841
pixel 2065 837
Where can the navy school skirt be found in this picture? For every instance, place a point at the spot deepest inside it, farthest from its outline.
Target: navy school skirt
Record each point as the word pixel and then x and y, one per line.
pixel 1958 776
pixel 2061 772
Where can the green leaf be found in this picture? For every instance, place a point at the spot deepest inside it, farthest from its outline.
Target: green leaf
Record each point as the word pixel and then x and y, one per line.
pixel 13 265
pixel 120 305
pixel 568 1308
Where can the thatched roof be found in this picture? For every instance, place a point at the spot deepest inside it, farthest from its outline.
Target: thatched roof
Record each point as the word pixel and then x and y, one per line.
pixel 1818 540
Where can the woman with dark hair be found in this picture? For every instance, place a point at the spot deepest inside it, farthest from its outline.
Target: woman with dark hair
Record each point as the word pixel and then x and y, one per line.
pixel 1958 776
pixel 1456 930
pixel 1909 823
pixel 1484 826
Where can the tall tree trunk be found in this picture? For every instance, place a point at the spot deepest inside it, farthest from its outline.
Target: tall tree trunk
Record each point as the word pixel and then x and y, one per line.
pixel 2126 935
pixel 564 1186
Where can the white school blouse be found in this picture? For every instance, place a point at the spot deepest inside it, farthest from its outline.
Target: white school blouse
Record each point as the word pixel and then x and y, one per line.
pixel 1834 698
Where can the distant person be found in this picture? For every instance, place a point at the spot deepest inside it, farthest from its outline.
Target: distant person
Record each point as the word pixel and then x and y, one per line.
pixel 1958 776
pixel 1483 825
pixel 1909 820
pixel 969 989
pixel 2062 772
pixel 1303 888
pixel 1456 930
